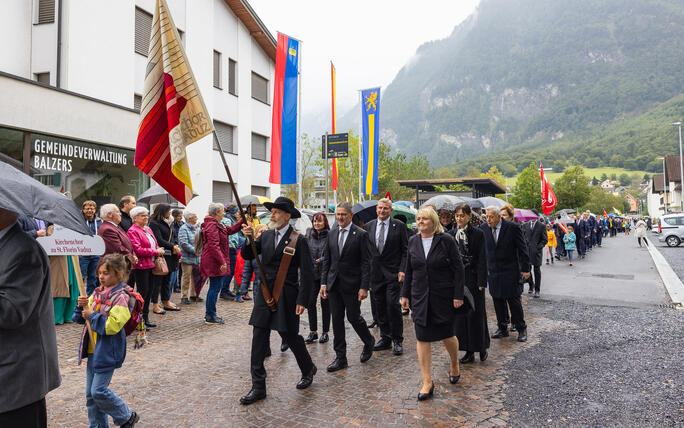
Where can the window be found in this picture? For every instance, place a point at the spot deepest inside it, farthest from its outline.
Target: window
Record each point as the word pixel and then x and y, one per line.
pixel 42 78
pixel 225 134
pixel 221 192
pixel 12 147
pixel 143 30
pixel 259 88
pixel 260 191
pixel 137 101
pixel 46 12
pixel 217 69
pixel 259 147
pixel 232 76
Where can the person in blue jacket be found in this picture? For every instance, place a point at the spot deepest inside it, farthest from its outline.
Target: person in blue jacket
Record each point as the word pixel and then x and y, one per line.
pixel 569 241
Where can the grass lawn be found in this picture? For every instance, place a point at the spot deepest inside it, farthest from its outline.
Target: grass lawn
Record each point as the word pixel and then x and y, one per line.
pixel 589 172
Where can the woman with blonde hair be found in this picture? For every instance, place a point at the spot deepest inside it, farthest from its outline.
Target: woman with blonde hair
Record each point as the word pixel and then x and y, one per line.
pixel 433 287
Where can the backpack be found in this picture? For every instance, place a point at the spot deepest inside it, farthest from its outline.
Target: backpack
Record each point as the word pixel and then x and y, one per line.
pixel 199 241
pixel 135 307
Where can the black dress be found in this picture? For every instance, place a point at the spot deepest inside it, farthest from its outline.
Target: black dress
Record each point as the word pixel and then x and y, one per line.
pixel 431 285
pixel 471 329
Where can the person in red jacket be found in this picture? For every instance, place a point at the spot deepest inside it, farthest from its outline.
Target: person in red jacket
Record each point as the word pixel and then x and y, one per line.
pixel 215 260
pixel 115 238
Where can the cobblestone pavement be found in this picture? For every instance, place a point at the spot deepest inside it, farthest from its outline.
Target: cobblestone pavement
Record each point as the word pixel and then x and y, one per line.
pixel 191 374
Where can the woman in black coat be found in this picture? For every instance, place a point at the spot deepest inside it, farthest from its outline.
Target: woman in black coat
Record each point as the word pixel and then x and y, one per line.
pixel 471 329
pixel 433 287
pixel 164 236
pixel 317 237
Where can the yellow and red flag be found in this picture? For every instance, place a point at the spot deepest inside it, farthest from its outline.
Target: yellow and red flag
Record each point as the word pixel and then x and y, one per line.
pixel 334 161
pixel 172 113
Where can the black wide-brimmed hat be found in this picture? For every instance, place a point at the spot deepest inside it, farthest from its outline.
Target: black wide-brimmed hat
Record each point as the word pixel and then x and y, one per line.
pixel 285 204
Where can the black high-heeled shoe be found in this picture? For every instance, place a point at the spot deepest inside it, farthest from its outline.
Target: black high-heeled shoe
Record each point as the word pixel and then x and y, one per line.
pixel 454 379
pixel 469 357
pixel 428 395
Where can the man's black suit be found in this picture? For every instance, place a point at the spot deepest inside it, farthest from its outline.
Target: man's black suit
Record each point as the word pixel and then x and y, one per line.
pixel 297 289
pixel 506 258
pixel 385 268
pixel 343 275
pixel 536 238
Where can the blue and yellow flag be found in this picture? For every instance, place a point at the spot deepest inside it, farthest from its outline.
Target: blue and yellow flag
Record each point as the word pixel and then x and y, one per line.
pixel 370 118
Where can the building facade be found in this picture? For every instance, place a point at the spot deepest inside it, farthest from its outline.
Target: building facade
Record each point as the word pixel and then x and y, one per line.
pixel 71 77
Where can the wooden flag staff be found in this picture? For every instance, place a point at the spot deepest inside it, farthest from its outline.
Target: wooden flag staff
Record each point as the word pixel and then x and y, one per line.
pixel 264 285
pixel 82 292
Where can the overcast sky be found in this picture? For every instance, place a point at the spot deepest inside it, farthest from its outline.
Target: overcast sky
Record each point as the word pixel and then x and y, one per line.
pixel 367 40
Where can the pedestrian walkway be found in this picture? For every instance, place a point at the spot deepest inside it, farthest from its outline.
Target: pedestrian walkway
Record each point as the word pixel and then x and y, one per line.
pixel 618 273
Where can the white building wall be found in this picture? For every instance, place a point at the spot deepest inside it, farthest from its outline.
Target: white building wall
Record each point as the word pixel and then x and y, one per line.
pixel 16 24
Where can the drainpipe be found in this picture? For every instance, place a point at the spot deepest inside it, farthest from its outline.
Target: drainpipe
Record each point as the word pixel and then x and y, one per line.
pixel 58 78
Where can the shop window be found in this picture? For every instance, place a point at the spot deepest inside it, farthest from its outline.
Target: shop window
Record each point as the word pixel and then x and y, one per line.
pixel 259 147
pixel 217 69
pixel 225 134
pixel 232 76
pixel 143 30
pixel 12 147
pixel 259 88
pixel 42 78
pixel 221 192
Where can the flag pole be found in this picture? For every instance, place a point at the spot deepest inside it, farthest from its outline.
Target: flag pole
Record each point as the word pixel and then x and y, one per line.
pixel 300 173
pixel 361 150
pixel 264 290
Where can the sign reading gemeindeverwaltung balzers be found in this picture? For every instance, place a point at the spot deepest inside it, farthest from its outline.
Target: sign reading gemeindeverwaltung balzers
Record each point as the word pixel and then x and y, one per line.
pixel 46 150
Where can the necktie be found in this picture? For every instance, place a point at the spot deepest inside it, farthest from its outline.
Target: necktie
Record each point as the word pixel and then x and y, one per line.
pixel 277 238
pixel 340 243
pixel 494 234
pixel 381 238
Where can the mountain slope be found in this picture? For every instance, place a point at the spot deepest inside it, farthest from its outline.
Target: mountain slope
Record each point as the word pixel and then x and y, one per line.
pixel 523 74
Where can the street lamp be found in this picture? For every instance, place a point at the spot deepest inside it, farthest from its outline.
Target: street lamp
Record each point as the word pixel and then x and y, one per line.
pixel 664 185
pixel 681 163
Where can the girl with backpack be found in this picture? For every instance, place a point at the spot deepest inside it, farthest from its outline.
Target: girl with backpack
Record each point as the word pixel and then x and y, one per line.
pixel 107 309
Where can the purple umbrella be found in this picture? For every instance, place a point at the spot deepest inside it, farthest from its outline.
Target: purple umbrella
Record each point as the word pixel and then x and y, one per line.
pixel 525 215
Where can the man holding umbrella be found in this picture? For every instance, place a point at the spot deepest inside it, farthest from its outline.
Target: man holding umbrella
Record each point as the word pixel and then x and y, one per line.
pixel 288 269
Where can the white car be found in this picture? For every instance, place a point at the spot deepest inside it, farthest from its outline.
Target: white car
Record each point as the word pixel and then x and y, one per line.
pixel 672 229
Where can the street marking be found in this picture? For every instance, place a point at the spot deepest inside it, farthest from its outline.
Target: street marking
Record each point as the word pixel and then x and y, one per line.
pixel 672 283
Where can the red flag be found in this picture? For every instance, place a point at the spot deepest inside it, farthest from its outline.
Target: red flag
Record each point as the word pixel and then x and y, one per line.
pixel 547 196
pixel 604 213
pixel 334 161
pixel 388 196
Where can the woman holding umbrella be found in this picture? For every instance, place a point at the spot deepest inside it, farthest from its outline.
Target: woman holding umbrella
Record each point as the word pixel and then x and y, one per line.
pixel 471 329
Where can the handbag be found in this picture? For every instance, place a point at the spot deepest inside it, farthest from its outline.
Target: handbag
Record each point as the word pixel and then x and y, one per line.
pixel 160 266
pixel 468 303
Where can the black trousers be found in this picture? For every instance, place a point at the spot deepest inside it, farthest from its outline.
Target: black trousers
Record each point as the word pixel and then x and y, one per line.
pixel 645 241
pixel 160 285
pixel 143 282
pixel 325 315
pixel 33 415
pixel 535 278
pixel 517 316
pixel 339 303
pixel 385 296
pixel 260 344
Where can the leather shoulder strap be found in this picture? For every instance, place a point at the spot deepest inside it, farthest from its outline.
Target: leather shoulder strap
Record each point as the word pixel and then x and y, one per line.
pixel 288 252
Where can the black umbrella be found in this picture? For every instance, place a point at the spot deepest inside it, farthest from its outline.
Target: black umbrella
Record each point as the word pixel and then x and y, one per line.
pixel 158 195
pixel 442 202
pixel 365 211
pixel 25 195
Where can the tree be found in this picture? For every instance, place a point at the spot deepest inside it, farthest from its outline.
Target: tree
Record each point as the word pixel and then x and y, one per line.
pixel 613 176
pixel 600 199
pixel 312 167
pixel 527 190
pixel 399 167
pixel 624 179
pixel 572 188
pixel 594 181
pixel 495 175
pixel 647 177
pixel 604 177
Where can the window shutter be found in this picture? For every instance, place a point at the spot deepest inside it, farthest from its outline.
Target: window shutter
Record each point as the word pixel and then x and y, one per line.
pixel 46 11
pixel 137 101
pixel 260 191
pixel 259 88
pixel 217 69
pixel 259 147
pixel 232 77
pixel 221 192
pixel 225 134
pixel 143 31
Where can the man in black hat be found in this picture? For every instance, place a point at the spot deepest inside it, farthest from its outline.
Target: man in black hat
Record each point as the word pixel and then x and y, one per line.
pixel 278 246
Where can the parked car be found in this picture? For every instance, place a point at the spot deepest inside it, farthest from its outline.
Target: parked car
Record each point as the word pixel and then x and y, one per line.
pixel 671 229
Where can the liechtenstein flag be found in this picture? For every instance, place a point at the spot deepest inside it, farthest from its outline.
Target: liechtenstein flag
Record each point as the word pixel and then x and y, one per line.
pixel 284 124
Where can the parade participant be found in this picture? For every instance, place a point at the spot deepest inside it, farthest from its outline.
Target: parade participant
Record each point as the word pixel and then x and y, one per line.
pixel 174 281
pixel 640 231
pixel 126 204
pixel 599 231
pixel 345 280
pixel 580 229
pixel 28 343
pixel 446 219
pixel 250 268
pixel 288 269
pixel 107 310
pixel 146 249
pixel 229 219
pixel 215 259
pixel 115 238
pixel 388 256
pixel 317 238
pixel 589 230
pixel 569 241
pixel 507 260
pixel 472 330
pixel 433 288
pixel 551 243
pixel 560 246
pixel 536 238
pixel 507 212
pixel 88 264
pixel 163 233
pixel 189 258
